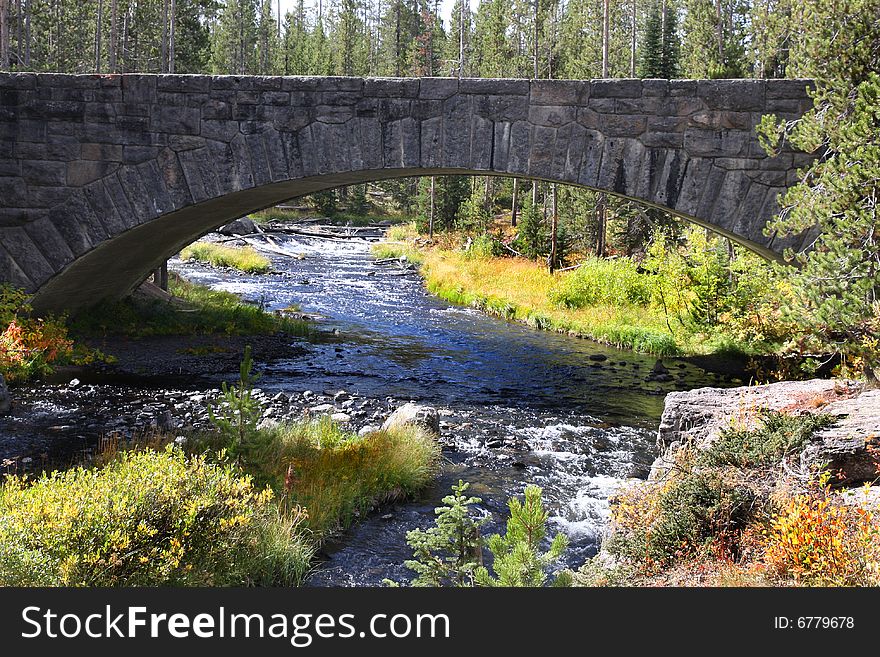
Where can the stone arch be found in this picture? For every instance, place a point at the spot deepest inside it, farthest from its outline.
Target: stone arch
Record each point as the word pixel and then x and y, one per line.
pixel 109 175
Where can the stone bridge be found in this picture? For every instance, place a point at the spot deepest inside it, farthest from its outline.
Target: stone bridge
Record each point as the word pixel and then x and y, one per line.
pixel 102 177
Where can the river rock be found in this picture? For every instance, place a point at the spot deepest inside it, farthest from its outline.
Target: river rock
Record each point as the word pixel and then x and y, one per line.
pixel 243 226
pixel 847 448
pixel 5 399
pixel 341 418
pixel 368 428
pixel 425 417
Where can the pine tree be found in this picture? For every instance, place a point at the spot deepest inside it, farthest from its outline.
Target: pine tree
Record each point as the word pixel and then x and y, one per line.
pixel 652 48
pixel 235 39
pixel 517 556
pixel 837 304
pixel 448 553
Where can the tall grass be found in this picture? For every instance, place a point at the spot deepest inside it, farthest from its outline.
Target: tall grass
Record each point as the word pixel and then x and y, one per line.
pixel 244 259
pixel 336 475
pixel 522 290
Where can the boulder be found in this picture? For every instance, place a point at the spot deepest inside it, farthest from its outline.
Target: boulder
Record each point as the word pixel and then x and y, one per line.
pixel 417 415
pixel 5 399
pixel 848 448
pixel 243 226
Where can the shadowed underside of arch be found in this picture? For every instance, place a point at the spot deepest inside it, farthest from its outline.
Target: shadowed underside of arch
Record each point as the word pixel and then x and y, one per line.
pixel 109 175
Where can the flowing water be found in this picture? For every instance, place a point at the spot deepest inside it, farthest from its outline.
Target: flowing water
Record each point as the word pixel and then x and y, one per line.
pixel 518 406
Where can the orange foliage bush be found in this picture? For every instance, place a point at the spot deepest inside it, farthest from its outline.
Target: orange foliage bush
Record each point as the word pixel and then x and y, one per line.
pixel 28 346
pixel 816 541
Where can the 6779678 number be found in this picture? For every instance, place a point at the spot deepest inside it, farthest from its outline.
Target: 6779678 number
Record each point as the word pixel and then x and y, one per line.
pixel 814 623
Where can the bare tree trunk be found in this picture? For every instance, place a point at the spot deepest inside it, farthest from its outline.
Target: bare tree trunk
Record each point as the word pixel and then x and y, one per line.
pixel 461 40
pixel 431 212
pixel 124 57
pixel 163 68
pixel 279 20
pixel 18 34
pixel 632 44
pixel 514 203
pixel 537 11
pixel 98 29
pixel 554 229
pixel 172 34
pixel 606 35
pixel 114 35
pixel 719 32
pixel 601 223
pixel 4 35
pixel 27 36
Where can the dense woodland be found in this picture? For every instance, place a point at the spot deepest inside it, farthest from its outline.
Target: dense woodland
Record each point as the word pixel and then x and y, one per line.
pixel 535 39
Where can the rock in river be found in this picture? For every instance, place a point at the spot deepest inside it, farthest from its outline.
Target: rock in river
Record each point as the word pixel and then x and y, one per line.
pixel 243 226
pixel 416 415
pixel 5 399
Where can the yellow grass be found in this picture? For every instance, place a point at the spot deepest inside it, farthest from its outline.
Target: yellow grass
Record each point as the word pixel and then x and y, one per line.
pixel 245 259
pixel 519 289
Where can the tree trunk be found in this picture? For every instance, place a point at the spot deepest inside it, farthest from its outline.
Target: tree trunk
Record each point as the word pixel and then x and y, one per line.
pixel 601 223
pixel 163 67
pixel 487 195
pixel 461 40
pixel 554 228
pixel 514 209
pixel 27 37
pixel 172 35
pixel 719 32
pixel 632 52
pixel 98 25
pixel 606 35
pixel 114 35
pixel 431 211
pixel 537 11
pixel 124 53
pixel 18 34
pixel 4 35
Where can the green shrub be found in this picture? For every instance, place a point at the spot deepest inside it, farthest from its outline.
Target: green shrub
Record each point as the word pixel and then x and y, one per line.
pixel 613 282
pixel 778 435
pixel 659 525
pixel 450 552
pixel 147 518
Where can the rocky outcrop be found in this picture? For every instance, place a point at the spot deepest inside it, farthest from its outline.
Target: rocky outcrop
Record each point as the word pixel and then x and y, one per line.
pixel 847 448
pixel 5 399
pixel 425 417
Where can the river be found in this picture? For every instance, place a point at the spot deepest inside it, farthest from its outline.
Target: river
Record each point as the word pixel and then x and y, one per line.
pixel 517 405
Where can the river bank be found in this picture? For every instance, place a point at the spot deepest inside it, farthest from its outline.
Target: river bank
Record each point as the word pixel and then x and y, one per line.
pixel 616 301
pixel 754 486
